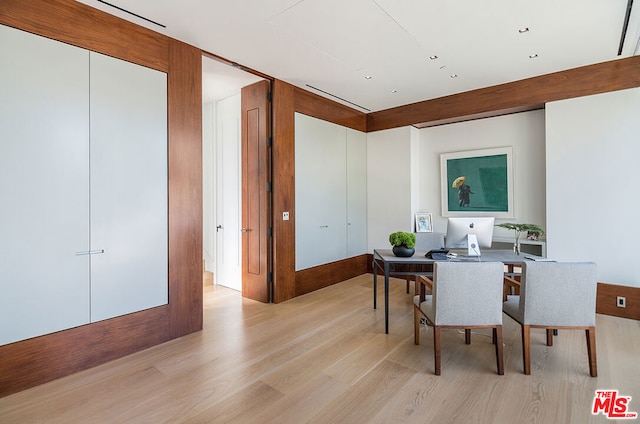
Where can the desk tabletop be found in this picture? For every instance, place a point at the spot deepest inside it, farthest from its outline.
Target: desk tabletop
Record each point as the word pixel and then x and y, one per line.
pixel 488 255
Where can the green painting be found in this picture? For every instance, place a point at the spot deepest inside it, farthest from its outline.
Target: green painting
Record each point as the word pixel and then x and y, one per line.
pixel 477 182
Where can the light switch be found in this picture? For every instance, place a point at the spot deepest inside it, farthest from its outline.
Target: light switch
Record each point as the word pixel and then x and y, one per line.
pixel 285 216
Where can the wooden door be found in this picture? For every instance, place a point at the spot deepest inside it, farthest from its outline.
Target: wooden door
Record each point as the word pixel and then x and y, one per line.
pixel 256 192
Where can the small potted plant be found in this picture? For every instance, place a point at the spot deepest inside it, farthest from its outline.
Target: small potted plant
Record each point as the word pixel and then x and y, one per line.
pixel 403 243
pixel 519 228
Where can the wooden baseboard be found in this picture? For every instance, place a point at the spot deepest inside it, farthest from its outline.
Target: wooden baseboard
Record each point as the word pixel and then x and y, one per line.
pixel 606 301
pixel 311 279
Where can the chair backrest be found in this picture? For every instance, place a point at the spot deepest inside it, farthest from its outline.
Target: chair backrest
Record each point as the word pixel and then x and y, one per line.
pixel 429 241
pixel 558 293
pixel 468 293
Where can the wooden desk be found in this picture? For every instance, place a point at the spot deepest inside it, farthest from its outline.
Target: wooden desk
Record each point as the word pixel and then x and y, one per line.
pixel 385 261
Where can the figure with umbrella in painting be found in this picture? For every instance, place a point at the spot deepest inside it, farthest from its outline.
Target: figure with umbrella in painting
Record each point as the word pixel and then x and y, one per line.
pixel 464 190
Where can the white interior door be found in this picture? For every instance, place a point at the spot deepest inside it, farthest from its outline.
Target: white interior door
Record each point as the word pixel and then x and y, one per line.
pixel 228 193
pixel 44 185
pixel 321 191
pixel 129 217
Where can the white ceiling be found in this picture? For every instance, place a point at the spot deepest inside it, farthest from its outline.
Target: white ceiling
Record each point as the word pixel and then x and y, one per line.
pixel 220 80
pixel 333 45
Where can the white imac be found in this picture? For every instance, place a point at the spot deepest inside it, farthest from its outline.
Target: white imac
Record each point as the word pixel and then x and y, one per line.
pixel 471 233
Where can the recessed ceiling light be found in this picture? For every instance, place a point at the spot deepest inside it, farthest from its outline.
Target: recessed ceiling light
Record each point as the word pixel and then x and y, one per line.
pixel 454 75
pixel 368 77
pixel 523 30
pixel 434 57
pixel 533 56
pixel 394 91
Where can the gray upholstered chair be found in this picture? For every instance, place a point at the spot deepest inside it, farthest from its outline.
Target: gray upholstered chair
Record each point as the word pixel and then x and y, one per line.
pixel 464 295
pixel 426 242
pixel 555 295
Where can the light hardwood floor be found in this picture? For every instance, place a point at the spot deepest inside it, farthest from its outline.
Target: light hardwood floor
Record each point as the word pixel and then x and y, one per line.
pixel 324 358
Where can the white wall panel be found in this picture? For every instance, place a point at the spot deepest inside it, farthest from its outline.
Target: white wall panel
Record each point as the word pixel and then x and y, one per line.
pixel 44 177
pixel 592 167
pixel 128 187
pixel 356 192
pixel 321 192
pixel 388 185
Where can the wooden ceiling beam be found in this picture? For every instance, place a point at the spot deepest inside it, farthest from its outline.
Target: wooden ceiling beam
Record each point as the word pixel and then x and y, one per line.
pixel 527 94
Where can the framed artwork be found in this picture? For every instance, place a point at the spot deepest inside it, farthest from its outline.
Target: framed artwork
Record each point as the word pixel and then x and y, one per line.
pixel 423 223
pixel 477 182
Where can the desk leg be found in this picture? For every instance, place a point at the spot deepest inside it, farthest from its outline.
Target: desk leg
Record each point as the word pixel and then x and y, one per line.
pixel 386 298
pixel 375 283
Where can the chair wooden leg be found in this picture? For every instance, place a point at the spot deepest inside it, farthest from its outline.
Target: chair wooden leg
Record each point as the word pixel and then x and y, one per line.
pixel 407 284
pixel 416 325
pixel 436 348
pixel 549 336
pixel 526 348
pixel 497 335
pixel 467 336
pixel 591 351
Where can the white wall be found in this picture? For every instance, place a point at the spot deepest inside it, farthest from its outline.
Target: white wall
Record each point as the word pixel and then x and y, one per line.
pixel 523 131
pixel 404 171
pixel 356 192
pixel 416 166
pixel 592 173
pixel 389 180
pixel 208 186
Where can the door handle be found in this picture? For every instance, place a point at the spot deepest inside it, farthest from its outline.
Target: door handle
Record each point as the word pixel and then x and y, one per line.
pixel 90 252
pixel 219 227
pixel 244 230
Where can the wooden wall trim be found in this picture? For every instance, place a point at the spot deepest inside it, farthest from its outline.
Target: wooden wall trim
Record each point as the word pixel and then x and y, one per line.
pixel 35 361
pixel 525 94
pixel 185 188
pixel 288 99
pixel 80 25
pixel 311 279
pixel 320 107
pixel 283 178
pixel 606 301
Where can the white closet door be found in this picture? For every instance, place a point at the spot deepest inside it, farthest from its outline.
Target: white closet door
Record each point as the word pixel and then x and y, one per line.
pixel 321 195
pixel 228 192
pixel 356 192
pixel 44 217
pixel 128 188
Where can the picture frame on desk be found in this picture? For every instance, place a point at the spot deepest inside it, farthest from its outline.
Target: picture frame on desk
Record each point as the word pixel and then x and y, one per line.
pixel 532 236
pixel 424 223
pixel 478 183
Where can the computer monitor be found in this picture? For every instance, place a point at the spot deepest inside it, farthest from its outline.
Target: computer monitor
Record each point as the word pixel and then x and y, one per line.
pixel 471 233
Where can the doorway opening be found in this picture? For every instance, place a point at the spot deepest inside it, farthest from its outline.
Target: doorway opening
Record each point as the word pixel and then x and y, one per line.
pixel 222 171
